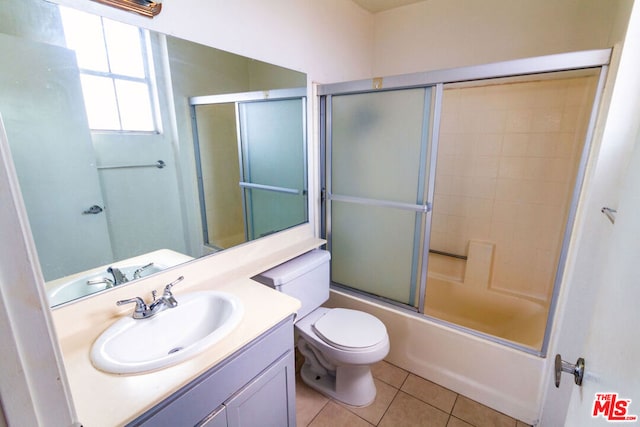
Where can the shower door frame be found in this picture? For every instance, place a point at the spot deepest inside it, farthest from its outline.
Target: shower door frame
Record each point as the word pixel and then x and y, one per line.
pixel 236 99
pixel 589 59
pixel 428 152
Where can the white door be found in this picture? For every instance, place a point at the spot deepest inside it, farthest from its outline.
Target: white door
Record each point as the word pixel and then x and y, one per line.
pixel 43 111
pixel 608 332
pixel 611 387
pixel 598 314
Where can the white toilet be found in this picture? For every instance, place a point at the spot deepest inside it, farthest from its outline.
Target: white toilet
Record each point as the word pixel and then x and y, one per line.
pixel 338 344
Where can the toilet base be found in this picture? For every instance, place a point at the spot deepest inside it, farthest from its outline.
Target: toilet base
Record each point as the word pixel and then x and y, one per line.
pixel 352 385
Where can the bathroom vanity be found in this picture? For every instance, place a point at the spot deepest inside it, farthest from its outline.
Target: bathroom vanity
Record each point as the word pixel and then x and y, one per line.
pixel 245 379
pixel 253 387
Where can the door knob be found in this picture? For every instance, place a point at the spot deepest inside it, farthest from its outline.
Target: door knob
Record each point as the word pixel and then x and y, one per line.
pixel 577 370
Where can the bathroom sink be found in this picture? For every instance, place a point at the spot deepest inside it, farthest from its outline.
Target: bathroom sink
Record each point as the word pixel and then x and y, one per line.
pixel 78 287
pixel 200 320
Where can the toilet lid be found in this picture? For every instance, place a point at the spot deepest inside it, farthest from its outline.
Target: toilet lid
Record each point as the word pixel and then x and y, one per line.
pixel 350 328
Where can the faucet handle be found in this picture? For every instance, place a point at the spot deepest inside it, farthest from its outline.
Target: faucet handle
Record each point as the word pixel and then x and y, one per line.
pixel 104 281
pixel 141 307
pixel 167 289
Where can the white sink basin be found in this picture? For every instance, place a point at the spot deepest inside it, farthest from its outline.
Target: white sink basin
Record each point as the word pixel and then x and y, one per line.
pixel 200 320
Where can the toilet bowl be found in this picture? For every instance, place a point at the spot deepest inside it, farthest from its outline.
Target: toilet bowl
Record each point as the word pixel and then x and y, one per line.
pixel 339 345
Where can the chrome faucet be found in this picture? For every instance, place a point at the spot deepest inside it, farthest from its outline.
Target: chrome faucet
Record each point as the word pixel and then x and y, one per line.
pixel 144 311
pixel 118 276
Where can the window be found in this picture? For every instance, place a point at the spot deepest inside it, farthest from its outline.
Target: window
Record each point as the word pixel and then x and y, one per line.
pixel 115 71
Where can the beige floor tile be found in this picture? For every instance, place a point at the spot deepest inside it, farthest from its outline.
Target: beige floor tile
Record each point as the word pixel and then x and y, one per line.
pixel 374 412
pixel 389 373
pixel 334 415
pixel 407 411
pixel 430 393
pixel 480 415
pixel 308 403
pixel 456 422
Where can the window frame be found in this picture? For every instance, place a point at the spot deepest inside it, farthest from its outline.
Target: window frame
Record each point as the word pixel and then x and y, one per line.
pixel 148 79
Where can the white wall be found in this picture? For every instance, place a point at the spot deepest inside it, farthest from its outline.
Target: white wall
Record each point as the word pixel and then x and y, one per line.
pixel 439 34
pixel 330 40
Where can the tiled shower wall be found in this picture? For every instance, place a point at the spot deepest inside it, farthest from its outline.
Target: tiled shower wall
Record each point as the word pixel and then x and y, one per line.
pixel 507 160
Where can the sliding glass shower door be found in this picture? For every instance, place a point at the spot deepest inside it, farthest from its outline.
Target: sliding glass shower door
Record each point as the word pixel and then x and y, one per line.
pixel 250 152
pixel 377 191
pixel 453 193
pixel 272 171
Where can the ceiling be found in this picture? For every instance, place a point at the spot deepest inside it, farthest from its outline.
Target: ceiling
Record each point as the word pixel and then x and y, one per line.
pixel 375 6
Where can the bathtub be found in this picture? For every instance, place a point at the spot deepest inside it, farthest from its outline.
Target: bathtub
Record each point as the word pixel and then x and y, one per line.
pixel 508 317
pixel 504 378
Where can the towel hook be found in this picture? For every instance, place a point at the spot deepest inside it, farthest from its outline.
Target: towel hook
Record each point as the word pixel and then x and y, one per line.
pixel 610 213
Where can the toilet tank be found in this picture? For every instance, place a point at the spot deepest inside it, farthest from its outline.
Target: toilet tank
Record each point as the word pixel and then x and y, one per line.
pixel 305 278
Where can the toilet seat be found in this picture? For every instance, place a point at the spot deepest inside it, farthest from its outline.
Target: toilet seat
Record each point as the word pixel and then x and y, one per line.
pixel 350 330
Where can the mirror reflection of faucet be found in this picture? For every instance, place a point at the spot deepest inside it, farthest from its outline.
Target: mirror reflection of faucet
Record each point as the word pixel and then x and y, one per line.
pixel 98 279
pixel 119 277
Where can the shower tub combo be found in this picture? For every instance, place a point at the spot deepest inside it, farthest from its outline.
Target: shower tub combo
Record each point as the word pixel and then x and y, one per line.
pixel 449 202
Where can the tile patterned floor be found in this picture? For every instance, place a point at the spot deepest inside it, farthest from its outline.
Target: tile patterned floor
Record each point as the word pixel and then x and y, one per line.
pixel 403 400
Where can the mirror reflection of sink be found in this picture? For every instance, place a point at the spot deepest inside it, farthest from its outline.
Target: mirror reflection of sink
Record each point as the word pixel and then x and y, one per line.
pixel 79 287
pixel 75 286
pixel 200 320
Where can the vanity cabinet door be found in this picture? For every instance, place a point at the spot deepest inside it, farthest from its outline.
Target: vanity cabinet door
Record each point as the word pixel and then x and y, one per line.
pixel 217 418
pixel 246 380
pixel 268 400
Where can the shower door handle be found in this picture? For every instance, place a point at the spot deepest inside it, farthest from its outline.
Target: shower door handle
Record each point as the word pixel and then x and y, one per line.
pixel 577 370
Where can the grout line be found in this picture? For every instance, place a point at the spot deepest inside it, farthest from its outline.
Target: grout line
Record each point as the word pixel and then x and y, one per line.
pixel 389 406
pixel 454 403
pixel 460 419
pixel 405 379
pixel 318 413
pixel 366 421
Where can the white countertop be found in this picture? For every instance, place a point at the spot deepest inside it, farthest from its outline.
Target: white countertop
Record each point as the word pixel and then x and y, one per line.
pixel 103 399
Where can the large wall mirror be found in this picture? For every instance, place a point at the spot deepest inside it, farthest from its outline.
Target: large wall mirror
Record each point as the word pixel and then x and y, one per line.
pixel 137 151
